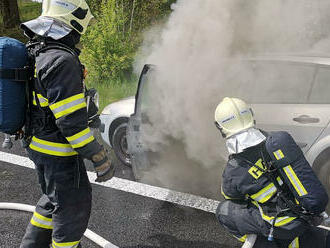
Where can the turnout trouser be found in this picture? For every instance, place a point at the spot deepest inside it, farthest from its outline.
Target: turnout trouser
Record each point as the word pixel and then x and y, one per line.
pixel 62 213
pixel 241 219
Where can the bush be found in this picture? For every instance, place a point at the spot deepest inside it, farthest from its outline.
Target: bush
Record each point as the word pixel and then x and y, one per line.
pixel 109 50
pixel 109 46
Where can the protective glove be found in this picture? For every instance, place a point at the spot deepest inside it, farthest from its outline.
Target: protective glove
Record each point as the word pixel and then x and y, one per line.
pixel 103 167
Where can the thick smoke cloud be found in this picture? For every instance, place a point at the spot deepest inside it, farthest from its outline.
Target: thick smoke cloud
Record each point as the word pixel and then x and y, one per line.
pixel 196 55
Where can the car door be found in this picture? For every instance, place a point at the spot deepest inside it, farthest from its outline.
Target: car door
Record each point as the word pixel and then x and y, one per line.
pixel 282 102
pixel 136 148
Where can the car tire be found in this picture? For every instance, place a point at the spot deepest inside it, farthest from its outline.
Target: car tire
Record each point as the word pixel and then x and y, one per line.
pixel 119 144
pixel 323 173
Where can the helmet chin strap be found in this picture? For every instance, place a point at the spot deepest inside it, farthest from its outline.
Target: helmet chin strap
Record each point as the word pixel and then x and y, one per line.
pixel 220 129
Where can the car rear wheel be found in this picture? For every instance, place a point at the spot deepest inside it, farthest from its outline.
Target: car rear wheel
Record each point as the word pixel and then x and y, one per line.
pixel 119 143
pixel 323 173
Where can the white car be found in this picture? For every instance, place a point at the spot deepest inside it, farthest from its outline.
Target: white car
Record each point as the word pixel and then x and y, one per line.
pixel 114 121
pixel 305 115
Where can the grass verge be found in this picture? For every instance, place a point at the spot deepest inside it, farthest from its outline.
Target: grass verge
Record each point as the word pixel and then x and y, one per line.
pixel 112 91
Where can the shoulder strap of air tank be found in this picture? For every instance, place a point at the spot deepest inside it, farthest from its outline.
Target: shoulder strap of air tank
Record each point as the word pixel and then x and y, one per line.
pixel 48 45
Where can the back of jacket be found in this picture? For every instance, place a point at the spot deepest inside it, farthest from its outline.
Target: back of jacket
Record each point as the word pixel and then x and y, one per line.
pixel 59 112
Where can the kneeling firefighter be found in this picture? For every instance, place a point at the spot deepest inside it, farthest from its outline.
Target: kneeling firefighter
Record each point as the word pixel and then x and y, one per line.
pixel 60 132
pixel 269 187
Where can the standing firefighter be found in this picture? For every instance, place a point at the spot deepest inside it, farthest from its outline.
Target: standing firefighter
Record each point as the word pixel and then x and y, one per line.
pixel 269 187
pixel 61 137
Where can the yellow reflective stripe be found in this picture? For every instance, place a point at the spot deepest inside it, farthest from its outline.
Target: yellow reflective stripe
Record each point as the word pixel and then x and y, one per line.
pixel 39 216
pixel 52 148
pixel 294 243
pixel 65 245
pixel 81 139
pixel 41 221
pixel 265 194
pixel 242 239
pixel 66 101
pixel 224 195
pixel 34 98
pixel 296 183
pixel 279 154
pixel 68 105
pixel 42 100
pixel 33 222
pixel 280 221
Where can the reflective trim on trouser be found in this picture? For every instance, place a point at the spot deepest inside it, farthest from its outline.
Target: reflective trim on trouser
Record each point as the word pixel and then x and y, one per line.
pixel 294 243
pixel 81 139
pixel 65 245
pixel 41 221
pixel 68 105
pixel 52 148
pixel 280 221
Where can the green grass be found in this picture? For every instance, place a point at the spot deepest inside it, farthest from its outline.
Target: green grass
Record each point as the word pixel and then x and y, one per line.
pixel 112 91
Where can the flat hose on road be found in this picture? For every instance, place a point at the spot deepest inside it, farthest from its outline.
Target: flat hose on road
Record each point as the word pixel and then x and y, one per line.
pixel 97 239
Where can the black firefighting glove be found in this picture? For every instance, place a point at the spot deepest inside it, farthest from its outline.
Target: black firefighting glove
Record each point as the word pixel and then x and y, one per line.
pixel 104 169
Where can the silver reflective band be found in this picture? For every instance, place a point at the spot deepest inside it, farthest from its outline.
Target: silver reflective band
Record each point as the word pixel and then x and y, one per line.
pixel 81 139
pixel 268 193
pixel 68 106
pixel 69 6
pixel 295 181
pixel 52 148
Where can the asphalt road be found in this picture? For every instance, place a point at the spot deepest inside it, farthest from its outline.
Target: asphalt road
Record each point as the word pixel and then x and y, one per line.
pixel 125 219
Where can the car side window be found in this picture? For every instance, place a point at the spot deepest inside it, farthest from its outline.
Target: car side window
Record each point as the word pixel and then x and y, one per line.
pixel 282 82
pixel 144 93
pixel 321 89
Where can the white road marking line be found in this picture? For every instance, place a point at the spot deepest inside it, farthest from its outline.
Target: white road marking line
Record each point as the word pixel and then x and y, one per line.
pixel 183 199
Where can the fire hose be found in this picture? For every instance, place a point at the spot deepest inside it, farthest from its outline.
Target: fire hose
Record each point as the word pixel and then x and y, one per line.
pixel 88 233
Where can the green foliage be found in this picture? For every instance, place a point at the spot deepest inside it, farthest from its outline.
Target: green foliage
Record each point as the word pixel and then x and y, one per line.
pixel 28 11
pixel 111 43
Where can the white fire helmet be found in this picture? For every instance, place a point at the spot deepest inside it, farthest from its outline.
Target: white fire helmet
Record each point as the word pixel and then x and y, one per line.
pixel 74 13
pixel 233 116
pixel 59 18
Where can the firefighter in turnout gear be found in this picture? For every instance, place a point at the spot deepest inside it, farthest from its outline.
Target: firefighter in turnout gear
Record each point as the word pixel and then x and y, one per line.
pixel 263 196
pixel 60 135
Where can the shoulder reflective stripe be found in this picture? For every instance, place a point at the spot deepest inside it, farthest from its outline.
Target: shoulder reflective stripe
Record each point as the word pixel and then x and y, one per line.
pixel 68 106
pixel 265 194
pixel 52 148
pixel 65 245
pixel 41 221
pixel 82 138
pixel 279 154
pixel 295 181
pixel 294 243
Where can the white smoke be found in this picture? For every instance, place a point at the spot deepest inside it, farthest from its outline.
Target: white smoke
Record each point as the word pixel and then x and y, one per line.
pixel 194 54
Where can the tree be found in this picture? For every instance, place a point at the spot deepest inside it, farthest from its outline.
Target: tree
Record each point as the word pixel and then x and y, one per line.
pixel 9 13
